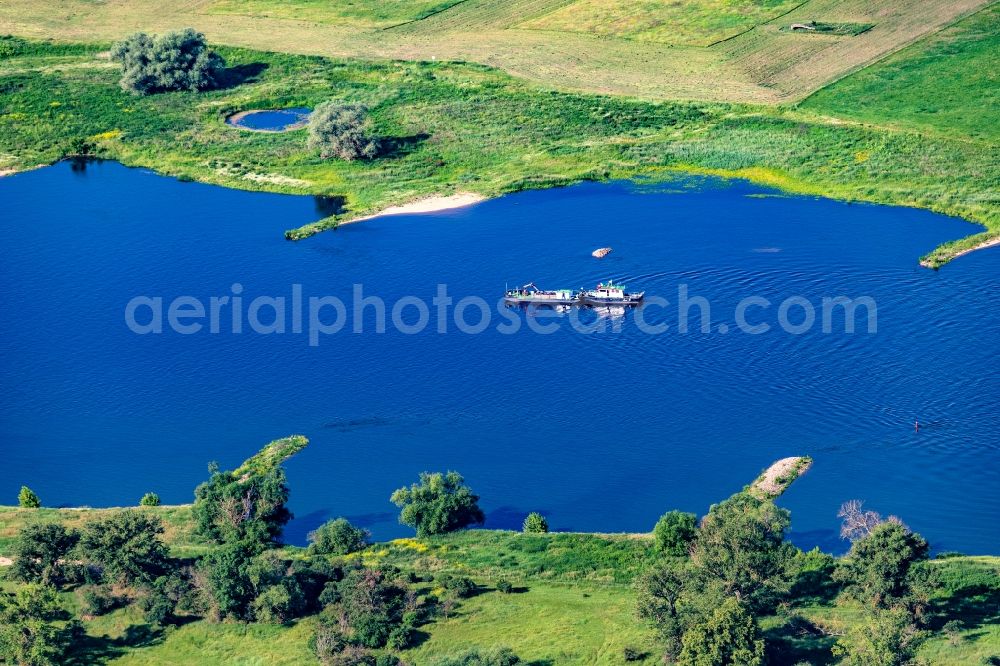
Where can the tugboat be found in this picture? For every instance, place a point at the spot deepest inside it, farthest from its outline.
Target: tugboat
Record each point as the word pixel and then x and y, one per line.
pixel 610 294
pixel 530 294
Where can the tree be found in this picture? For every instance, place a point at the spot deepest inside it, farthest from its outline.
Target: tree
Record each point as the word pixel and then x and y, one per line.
pixel 27 499
pixel 338 537
pixel 150 499
pixel 29 635
pixel 126 546
pixel 174 61
pixel 730 636
pixel 886 637
pixel 262 588
pixel 879 569
pixel 674 532
pixel 41 552
pixel 247 505
pixel 439 503
pixel 741 552
pixel 498 656
pixel 535 523
pixel 856 523
pixel 341 130
pixel 660 601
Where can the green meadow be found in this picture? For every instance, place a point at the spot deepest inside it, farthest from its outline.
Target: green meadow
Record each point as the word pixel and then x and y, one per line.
pixel 946 84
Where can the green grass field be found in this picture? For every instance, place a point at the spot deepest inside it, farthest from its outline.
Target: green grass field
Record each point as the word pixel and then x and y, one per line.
pixel 699 23
pixel 547 622
pixel 359 13
pixel 592 48
pixel 947 84
pixel 610 559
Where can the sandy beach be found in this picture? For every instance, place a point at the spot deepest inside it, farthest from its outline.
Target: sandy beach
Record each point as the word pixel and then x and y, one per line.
pixel 431 204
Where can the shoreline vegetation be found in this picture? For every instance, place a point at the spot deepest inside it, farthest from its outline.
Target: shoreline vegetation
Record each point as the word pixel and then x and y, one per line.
pixel 208 583
pixel 448 128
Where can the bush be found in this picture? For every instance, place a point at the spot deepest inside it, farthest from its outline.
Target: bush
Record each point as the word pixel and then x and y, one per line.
pixel 96 600
pixel 341 130
pixel 338 537
pixel 674 532
pixel 505 586
pixel 312 578
pixel 439 503
pixel 27 499
pixel 150 499
pixel 460 586
pixel 535 523
pixel 813 575
pixel 328 641
pixel 371 629
pixel 349 655
pixel 174 61
pixel 79 147
pixel 400 638
pixel 631 654
pixel 156 606
pixel 167 594
pixel 276 605
pixel 499 656
pixel 884 637
pixel 329 595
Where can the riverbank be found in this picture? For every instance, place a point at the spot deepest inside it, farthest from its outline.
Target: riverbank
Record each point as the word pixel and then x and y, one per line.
pixel 573 602
pixel 464 127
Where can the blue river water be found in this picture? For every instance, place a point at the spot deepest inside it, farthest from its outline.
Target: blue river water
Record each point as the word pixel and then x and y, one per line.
pixel 601 431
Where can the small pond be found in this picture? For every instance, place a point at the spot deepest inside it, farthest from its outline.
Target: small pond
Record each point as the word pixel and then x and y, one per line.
pixel 271 120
